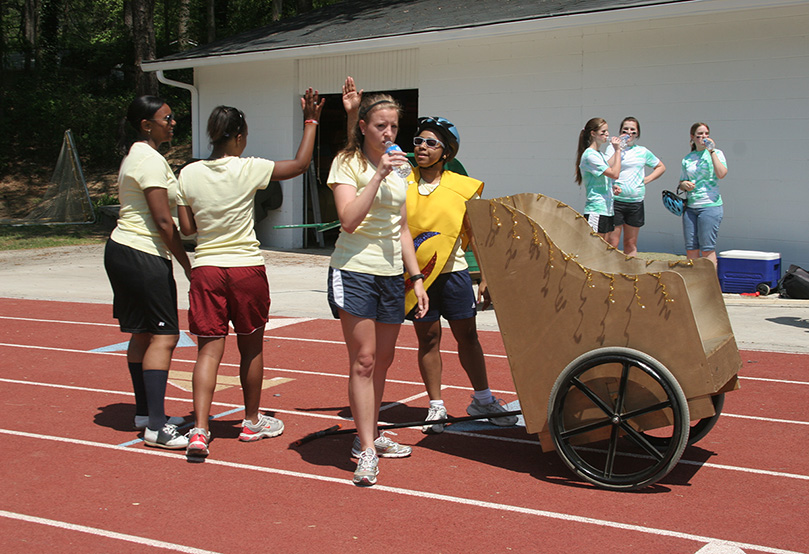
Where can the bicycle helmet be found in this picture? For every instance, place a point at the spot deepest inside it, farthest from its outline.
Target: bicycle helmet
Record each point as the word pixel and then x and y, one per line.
pixel 446 131
pixel 674 203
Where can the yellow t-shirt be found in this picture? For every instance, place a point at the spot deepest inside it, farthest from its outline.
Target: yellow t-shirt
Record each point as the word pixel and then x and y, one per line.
pixel 221 194
pixel 375 246
pixel 142 168
pixel 456 261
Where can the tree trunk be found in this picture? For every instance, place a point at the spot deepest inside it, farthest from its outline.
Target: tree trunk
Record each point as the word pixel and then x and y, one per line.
pixel 277 9
pixel 183 25
pixel 144 39
pixel 30 28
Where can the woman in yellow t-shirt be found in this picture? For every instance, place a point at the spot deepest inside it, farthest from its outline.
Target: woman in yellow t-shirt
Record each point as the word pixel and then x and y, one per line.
pixel 366 282
pixel 137 258
pixel 228 279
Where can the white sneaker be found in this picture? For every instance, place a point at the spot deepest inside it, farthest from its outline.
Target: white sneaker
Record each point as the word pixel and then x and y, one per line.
pixel 493 408
pixel 385 448
pixel 367 468
pixel 435 412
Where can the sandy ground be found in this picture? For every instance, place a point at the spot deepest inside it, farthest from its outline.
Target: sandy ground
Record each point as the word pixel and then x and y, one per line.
pixel 298 289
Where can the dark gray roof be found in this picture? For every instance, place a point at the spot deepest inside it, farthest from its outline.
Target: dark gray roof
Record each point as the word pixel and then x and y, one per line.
pixel 353 20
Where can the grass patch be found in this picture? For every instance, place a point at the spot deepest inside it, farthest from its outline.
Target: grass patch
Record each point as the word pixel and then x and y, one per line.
pixel 19 237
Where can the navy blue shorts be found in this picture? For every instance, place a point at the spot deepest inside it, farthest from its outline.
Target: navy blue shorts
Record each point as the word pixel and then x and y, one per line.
pixel 144 291
pixel 376 297
pixel 451 296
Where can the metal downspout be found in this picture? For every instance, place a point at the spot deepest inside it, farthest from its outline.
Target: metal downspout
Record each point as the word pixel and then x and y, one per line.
pixel 194 108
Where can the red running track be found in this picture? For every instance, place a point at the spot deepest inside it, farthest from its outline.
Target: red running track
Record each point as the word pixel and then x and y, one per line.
pixel 77 479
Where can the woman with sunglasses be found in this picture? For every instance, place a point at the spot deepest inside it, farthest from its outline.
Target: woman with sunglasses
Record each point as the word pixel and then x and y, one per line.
pixel 137 259
pixel 598 173
pixel 436 209
pixel 628 205
pixel 366 289
pixel 228 279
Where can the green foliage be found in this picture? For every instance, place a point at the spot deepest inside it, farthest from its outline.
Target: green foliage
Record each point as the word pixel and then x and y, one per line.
pixel 84 79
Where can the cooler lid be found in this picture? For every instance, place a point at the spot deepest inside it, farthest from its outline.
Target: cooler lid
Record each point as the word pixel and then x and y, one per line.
pixel 749 255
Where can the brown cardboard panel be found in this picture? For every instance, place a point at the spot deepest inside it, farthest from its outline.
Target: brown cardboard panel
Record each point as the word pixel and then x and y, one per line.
pixel 560 291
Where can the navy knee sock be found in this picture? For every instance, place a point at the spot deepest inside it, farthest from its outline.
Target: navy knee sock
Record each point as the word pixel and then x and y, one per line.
pixel 136 373
pixel 154 381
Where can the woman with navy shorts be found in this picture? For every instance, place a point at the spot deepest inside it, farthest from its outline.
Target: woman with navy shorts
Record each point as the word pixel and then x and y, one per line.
pixel 628 208
pixel 598 174
pixel 228 280
pixel 366 281
pixel 701 170
pixel 137 259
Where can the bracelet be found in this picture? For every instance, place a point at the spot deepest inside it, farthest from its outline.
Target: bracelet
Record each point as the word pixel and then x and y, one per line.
pixel 310 121
pixel 711 151
pixel 416 277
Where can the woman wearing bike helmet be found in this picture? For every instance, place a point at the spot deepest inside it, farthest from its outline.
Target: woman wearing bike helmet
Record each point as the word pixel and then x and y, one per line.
pixel 436 210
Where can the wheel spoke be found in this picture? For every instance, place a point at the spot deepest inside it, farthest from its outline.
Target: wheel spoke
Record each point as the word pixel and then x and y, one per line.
pixel 647 410
pixel 585 428
pixel 594 398
pixel 640 439
pixel 611 450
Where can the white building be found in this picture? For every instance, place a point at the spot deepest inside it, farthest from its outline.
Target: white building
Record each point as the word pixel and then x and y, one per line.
pixel 519 78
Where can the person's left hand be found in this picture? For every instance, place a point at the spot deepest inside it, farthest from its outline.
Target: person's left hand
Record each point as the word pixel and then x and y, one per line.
pixel 351 96
pixel 616 189
pixel 312 104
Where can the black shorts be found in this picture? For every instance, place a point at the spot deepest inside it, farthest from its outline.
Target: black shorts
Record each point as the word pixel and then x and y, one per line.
pixel 145 294
pixel 600 223
pixel 629 213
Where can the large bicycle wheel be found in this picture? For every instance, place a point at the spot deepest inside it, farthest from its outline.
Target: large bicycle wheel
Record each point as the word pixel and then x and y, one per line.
pixel 598 409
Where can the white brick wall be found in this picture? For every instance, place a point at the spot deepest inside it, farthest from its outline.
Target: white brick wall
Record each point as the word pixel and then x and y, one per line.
pixel 520 101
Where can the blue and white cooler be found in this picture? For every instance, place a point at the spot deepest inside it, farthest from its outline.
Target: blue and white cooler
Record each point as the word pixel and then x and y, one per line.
pixel 749 271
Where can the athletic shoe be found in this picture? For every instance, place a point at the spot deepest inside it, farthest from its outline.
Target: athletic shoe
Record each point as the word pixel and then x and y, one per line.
pixel 142 421
pixel 198 442
pixel 435 412
pixel 167 437
pixel 265 428
pixel 367 468
pixel 494 407
pixel 385 448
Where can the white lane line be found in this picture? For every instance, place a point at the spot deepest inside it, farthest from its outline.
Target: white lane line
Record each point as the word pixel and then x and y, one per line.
pixel 784 381
pixel 428 495
pixel 271 369
pixel 104 533
pixel 281 322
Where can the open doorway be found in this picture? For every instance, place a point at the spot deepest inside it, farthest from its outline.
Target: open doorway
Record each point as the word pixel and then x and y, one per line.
pixel 331 139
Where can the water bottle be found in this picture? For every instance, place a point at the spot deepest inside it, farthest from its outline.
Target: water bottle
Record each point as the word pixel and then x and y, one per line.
pixel 709 144
pixel 624 141
pixel 403 170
